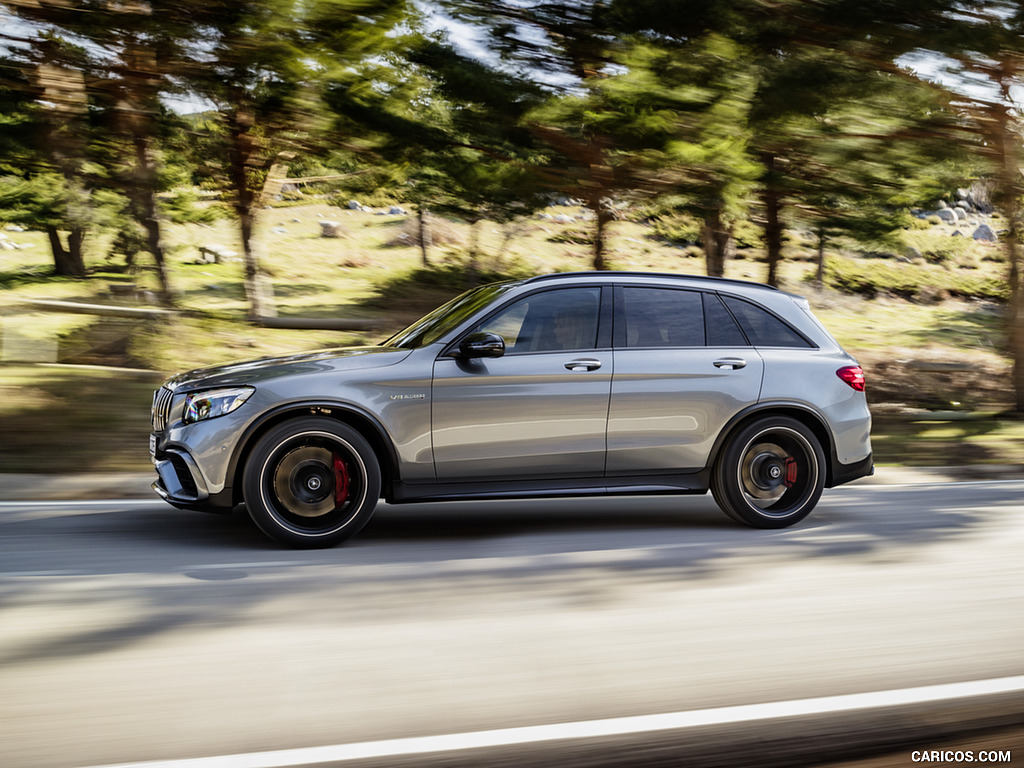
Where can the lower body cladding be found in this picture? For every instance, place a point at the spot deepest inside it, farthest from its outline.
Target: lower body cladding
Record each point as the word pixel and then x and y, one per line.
pixel 181 484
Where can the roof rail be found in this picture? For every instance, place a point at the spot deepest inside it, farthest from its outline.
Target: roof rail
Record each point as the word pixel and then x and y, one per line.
pixel 615 273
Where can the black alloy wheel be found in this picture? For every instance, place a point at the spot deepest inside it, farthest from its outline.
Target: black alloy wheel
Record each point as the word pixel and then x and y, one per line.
pixel 771 473
pixel 311 482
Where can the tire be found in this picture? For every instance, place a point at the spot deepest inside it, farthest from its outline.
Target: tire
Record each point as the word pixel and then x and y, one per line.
pixel 770 474
pixel 311 482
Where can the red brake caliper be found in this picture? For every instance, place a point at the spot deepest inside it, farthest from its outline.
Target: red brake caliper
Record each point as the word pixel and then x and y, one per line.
pixel 791 470
pixel 340 481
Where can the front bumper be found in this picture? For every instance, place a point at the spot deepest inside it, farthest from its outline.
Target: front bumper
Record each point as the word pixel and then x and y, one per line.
pixel 181 484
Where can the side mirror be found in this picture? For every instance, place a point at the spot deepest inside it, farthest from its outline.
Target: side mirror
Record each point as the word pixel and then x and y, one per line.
pixel 482 344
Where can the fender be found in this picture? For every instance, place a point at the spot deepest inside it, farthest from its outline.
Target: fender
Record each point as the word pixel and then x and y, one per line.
pixel 379 439
pixel 807 414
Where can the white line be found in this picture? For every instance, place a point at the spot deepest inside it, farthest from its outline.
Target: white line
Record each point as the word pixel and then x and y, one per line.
pixel 618 726
pixel 89 503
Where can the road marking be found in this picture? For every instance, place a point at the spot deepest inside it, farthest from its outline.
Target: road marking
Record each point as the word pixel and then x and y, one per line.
pixel 619 726
pixel 88 503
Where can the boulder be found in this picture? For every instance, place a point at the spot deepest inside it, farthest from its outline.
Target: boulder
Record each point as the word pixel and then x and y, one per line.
pixel 947 215
pixel 985 234
pixel 355 205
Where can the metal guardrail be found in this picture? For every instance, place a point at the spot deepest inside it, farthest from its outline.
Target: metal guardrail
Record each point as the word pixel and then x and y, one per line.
pixel 108 310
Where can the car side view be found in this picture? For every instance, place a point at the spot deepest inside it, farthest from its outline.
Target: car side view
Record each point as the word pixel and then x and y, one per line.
pixel 560 385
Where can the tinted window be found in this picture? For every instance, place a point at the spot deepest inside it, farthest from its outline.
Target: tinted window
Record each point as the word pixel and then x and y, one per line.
pixel 722 330
pixel 552 320
pixel 762 327
pixel 661 317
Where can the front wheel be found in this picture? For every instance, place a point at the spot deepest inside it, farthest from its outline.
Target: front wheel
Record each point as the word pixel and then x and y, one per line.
pixel 770 474
pixel 311 482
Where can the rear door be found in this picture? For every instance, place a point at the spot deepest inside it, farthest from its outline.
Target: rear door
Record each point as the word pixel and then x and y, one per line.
pixel 683 368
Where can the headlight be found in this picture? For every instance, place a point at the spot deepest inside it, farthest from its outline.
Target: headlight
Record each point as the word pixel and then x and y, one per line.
pixel 214 402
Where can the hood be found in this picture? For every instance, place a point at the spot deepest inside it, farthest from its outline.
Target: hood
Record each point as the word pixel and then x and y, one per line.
pixel 254 371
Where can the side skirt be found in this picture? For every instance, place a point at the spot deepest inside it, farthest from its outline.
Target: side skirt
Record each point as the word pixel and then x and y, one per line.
pixel 691 483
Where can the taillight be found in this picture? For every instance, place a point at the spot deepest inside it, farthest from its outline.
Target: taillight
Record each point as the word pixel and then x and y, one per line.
pixel 853 375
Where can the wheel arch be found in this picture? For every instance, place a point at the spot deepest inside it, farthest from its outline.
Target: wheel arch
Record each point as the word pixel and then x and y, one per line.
pixel 366 425
pixel 802 413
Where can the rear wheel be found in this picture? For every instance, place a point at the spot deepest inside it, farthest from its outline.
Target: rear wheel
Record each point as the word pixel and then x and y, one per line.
pixel 770 474
pixel 311 482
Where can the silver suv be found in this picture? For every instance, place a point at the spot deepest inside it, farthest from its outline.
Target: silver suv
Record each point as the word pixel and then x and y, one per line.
pixel 561 385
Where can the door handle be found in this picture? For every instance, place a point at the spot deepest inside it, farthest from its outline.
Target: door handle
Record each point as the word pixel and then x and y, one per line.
pixel 588 364
pixel 731 363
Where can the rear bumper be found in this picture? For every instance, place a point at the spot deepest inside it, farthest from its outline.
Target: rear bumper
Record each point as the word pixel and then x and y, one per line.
pixel 845 473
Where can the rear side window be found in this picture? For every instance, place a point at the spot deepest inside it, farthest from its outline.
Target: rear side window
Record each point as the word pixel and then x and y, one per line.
pixel 722 328
pixel 763 329
pixel 662 317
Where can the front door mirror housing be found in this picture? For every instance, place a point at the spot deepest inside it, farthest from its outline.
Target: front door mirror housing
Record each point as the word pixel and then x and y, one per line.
pixel 482 344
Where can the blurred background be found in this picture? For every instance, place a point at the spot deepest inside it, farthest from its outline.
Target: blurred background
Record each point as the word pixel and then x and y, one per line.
pixel 191 182
pixel 355 163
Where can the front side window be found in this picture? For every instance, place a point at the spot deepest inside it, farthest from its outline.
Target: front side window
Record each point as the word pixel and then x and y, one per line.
pixel 562 319
pixel 663 317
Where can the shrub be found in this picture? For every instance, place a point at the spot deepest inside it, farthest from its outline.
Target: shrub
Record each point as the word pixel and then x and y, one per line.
pixel 920 283
pixel 679 229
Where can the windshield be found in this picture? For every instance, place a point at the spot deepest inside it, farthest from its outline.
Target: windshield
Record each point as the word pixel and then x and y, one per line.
pixel 433 326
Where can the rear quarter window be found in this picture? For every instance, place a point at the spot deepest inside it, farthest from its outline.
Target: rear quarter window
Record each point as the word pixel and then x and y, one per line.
pixel 762 328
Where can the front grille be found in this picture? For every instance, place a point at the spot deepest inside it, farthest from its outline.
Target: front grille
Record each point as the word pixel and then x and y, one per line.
pixel 161 408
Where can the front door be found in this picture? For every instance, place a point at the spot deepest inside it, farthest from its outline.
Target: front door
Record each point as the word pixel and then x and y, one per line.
pixel 539 411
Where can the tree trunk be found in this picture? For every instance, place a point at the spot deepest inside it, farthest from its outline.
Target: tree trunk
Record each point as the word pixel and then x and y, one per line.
pixel 242 151
pixel 425 238
pixel 602 217
pixel 771 199
pixel 473 260
pixel 819 279
pixel 146 213
pixel 253 292
pixel 716 241
pixel 69 261
pixel 1005 143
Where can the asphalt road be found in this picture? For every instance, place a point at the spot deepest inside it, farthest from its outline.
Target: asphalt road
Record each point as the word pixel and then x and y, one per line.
pixel 130 631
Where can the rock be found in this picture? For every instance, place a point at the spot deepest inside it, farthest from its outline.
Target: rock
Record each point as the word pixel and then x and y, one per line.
pixel 279 231
pixel 947 215
pixel 563 219
pixel 984 233
pixel 14 228
pixel 943 205
pixel 397 210
pixel 957 233
pixel 330 229
pixel 355 205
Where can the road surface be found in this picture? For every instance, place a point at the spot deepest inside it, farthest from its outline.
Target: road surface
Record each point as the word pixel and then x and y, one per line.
pixel 133 632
